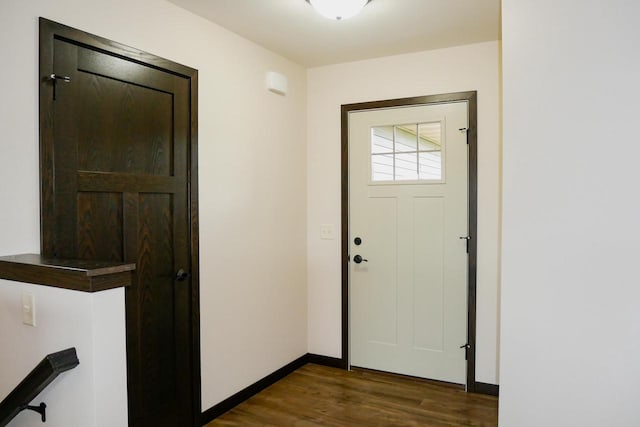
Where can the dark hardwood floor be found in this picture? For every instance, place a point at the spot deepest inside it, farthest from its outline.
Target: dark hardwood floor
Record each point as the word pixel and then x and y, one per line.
pixel 321 396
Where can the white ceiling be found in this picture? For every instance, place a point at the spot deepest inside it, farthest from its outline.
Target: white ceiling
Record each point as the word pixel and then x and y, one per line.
pixel 385 27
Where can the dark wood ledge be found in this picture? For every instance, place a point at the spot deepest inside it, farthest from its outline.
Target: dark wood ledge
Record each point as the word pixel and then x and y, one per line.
pixel 78 275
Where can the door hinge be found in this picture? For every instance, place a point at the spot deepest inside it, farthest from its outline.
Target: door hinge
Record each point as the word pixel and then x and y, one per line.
pixel 466 347
pixel 54 78
pixel 465 130
pixel 65 79
pixel 468 239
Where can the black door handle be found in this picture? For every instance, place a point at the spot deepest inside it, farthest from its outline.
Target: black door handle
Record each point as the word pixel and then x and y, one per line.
pixel 358 259
pixel 182 275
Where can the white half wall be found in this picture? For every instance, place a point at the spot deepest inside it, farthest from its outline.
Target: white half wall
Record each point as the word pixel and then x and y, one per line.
pixel 472 67
pixel 252 161
pixel 92 394
pixel 571 217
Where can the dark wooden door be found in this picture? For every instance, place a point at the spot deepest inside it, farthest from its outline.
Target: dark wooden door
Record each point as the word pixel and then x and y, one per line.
pixel 121 154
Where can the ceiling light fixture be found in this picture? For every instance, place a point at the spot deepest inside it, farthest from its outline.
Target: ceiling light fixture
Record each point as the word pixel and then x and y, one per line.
pixel 338 9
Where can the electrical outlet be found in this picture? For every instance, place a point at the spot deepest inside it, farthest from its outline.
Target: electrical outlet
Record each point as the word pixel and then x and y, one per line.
pixel 28 309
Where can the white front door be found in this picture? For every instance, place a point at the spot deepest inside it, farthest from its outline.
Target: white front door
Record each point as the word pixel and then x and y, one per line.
pixel 408 204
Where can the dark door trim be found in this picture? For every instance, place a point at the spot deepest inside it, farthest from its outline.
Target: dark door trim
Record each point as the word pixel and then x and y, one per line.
pixel 472 139
pixel 50 31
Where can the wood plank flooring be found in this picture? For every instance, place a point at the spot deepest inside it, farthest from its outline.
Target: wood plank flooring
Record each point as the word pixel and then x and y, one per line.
pixel 321 396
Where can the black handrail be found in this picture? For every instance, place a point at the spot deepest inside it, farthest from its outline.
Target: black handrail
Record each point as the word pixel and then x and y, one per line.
pixel 37 380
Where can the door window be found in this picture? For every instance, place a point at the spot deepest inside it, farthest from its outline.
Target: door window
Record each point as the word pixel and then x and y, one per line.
pixel 408 152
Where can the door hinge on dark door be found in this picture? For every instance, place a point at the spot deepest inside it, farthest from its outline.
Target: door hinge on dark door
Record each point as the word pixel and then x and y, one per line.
pixel 54 79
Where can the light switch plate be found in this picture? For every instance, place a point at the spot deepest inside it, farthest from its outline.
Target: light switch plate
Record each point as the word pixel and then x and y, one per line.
pixel 327 231
pixel 28 309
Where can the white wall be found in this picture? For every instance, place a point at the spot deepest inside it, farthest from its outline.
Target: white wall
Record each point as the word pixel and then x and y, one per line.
pixel 473 67
pixel 570 294
pixel 252 176
pixel 92 394
pixel 109 358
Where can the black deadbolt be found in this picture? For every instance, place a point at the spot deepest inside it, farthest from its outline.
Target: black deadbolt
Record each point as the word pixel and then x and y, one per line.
pixel 357 241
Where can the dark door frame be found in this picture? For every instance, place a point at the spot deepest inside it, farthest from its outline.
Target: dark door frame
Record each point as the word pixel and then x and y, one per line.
pixel 472 140
pixel 50 31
